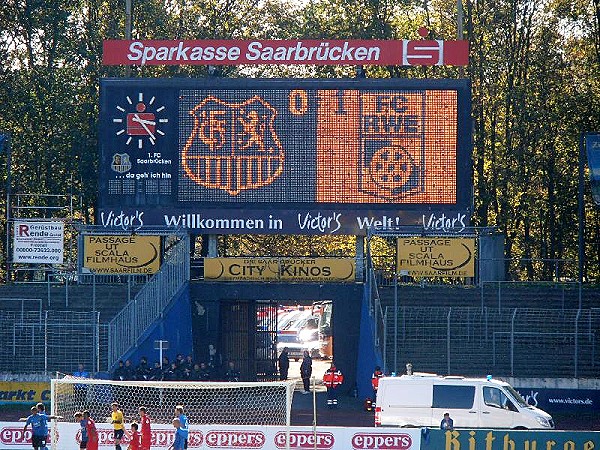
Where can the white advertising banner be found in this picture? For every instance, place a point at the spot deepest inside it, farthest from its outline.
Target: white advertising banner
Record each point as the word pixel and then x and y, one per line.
pixel 38 242
pixel 231 437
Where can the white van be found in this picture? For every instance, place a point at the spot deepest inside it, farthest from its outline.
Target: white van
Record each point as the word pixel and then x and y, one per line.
pixel 420 400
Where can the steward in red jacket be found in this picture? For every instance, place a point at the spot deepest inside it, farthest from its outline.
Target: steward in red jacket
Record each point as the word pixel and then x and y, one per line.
pixel 332 379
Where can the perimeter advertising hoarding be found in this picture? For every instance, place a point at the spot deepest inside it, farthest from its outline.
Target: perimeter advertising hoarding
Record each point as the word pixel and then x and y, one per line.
pixel 36 242
pixel 436 257
pixel 280 269
pixel 227 437
pixel 403 52
pixel 118 254
pixel 466 439
pixel 284 156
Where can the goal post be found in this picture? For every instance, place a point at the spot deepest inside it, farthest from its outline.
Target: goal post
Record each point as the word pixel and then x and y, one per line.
pixel 205 403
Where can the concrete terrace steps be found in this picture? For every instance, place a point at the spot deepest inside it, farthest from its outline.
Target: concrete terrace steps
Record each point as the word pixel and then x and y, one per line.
pixel 505 295
pixel 110 299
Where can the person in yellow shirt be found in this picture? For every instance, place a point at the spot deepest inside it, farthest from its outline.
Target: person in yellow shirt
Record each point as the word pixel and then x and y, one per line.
pixel 118 425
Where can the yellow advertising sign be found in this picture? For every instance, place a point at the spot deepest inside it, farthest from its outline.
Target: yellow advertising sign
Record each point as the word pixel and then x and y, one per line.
pixel 24 392
pixel 118 254
pixel 436 257
pixel 280 269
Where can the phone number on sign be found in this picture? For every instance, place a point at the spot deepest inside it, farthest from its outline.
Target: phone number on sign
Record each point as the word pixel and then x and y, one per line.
pixel 37 250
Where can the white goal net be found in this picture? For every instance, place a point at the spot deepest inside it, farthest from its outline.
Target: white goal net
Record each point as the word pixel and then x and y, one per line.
pixel 252 403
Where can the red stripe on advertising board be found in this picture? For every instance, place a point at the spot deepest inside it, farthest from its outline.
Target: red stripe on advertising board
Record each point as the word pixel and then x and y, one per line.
pixel 318 52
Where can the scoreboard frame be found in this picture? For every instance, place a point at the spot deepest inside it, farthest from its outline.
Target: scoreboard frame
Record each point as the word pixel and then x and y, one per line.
pixel 148 134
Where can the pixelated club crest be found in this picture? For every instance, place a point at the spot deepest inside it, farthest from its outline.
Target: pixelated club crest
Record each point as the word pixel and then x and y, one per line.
pixel 120 163
pixel 392 163
pixel 233 146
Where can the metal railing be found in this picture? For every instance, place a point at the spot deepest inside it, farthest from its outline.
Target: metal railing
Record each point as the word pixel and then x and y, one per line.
pixel 516 342
pixel 135 318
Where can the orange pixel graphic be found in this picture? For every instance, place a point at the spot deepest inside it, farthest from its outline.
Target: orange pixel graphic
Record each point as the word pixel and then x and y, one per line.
pixel 387 147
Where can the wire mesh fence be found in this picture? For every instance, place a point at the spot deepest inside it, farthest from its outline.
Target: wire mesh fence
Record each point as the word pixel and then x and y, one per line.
pixel 519 342
pixel 50 341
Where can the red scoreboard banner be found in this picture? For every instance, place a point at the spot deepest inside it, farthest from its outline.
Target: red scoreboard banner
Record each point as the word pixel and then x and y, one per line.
pixel 284 156
pixel 320 52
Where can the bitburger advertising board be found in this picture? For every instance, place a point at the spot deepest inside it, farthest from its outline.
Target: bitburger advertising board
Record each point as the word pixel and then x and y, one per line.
pixel 127 254
pixel 436 257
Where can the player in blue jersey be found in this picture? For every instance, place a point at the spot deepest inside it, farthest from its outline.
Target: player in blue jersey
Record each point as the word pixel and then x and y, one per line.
pixel 179 442
pixel 183 424
pixel 83 424
pixel 39 428
pixel 43 433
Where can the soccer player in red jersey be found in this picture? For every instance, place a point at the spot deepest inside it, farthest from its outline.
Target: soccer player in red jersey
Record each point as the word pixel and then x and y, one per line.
pixel 146 431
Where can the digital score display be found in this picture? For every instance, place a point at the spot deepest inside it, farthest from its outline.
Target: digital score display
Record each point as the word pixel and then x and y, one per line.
pixel 285 156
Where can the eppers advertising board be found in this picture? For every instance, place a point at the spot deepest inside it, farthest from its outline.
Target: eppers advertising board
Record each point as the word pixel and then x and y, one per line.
pixel 221 437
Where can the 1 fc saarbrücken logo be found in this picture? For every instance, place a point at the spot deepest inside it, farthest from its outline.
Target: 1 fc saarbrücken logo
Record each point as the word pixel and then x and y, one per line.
pixel 233 146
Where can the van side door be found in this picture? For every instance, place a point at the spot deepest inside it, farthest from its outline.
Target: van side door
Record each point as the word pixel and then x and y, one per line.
pixel 459 401
pixel 497 410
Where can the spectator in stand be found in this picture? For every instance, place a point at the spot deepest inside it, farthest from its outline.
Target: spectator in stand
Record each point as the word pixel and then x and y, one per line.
pixel 214 359
pixel 81 389
pixel 189 362
pixel 156 372
pixel 165 363
pixel 195 374
pixel 180 360
pixel 142 371
pixel 306 371
pixel 284 364
pixel 129 370
pixel 119 374
pixel 232 374
pixel 172 373
pixel 81 372
pixel 205 372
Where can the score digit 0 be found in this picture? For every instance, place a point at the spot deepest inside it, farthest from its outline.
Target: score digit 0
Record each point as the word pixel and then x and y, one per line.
pixel 298 102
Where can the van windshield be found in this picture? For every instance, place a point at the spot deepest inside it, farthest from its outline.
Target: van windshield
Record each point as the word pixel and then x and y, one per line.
pixel 516 396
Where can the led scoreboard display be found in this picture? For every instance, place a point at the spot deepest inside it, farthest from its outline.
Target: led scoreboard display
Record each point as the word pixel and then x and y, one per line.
pixel 284 156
